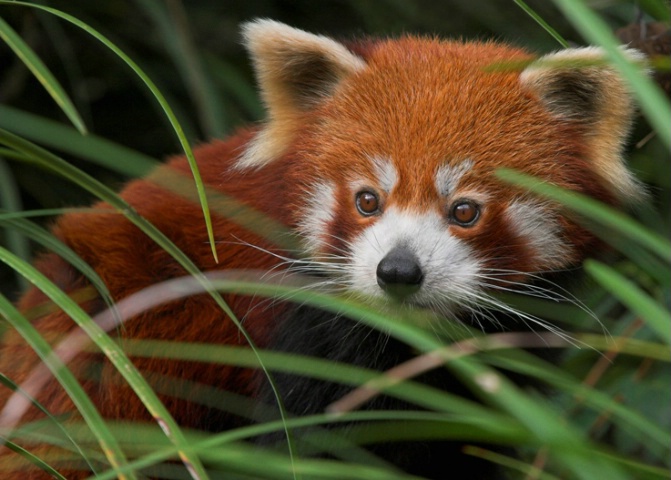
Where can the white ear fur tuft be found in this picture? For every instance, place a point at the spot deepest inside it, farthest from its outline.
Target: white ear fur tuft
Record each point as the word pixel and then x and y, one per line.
pixel 578 85
pixel 295 71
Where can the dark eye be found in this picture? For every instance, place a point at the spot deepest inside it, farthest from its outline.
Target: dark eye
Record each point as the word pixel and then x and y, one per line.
pixel 367 203
pixel 464 212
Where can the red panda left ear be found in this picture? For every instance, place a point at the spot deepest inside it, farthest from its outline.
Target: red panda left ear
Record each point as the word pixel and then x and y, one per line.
pixel 295 70
pixel 577 85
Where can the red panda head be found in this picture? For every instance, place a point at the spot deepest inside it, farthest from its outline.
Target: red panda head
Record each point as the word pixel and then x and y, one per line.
pixel 391 149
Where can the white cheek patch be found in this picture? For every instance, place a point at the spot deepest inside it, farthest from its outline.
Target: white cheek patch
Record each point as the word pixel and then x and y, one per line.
pixel 315 222
pixel 448 177
pixel 541 231
pixel 450 269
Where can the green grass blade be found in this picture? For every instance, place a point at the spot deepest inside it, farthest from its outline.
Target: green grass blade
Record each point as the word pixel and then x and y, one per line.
pixel 54 245
pixel 51 162
pixel 98 150
pixel 7 382
pixel 65 377
pixel 653 313
pixel 41 73
pixel 653 103
pixel 545 25
pixel 594 210
pixel 172 24
pixel 114 353
pixel 10 200
pixel 38 462
pixel 156 93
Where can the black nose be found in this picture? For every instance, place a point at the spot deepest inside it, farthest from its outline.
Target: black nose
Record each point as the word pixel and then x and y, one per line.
pixel 399 273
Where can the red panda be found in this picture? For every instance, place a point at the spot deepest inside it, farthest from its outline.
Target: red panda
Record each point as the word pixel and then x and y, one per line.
pixel 379 158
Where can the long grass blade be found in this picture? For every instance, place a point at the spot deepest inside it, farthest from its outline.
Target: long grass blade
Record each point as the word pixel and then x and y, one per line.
pixel 653 102
pixel 92 148
pixel 156 93
pixel 594 210
pixel 107 442
pixel 653 313
pixel 41 73
pixel 545 25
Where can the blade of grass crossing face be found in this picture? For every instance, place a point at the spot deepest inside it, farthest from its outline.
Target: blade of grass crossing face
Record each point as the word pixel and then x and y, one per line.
pixel 41 73
pixel 159 97
pixel 653 103
pixel 654 314
pixel 64 376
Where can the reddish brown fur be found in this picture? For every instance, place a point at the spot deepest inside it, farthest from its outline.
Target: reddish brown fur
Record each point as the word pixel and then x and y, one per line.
pixel 455 111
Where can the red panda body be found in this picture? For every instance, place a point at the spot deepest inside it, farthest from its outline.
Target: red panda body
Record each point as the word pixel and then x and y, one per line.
pixel 379 158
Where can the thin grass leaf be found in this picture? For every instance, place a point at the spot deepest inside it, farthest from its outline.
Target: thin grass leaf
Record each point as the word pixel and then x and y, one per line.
pixel 41 73
pixel 215 443
pixel 8 383
pixel 82 402
pixel 46 239
pixel 97 150
pixel 653 102
pixel 38 462
pixel 653 313
pixel 116 356
pixel 10 200
pixel 156 93
pixel 172 24
pixel 48 161
pixel 545 25
pixel 594 210
pixel 492 387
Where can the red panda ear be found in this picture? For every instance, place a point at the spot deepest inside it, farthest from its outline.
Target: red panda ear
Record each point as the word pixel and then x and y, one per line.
pixel 295 70
pixel 578 86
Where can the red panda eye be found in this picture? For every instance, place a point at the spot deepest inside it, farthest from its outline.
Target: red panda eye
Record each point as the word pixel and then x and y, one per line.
pixel 465 213
pixel 367 203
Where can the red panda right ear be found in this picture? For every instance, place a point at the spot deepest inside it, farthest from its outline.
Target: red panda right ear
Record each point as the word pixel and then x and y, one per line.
pixel 578 85
pixel 295 70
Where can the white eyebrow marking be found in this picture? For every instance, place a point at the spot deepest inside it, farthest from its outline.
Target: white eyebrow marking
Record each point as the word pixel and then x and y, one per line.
pixel 448 176
pixel 385 172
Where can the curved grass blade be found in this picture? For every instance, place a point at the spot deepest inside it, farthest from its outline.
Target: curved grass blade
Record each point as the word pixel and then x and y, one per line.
pixel 10 200
pixel 545 25
pixel 172 24
pixel 114 353
pixel 54 245
pixel 593 210
pixel 653 103
pixel 48 161
pixel 38 462
pixel 107 442
pixel 656 316
pixel 41 73
pixel 156 93
pixel 14 387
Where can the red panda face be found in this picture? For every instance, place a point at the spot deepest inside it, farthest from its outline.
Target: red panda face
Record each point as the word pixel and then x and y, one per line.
pixel 393 149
